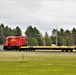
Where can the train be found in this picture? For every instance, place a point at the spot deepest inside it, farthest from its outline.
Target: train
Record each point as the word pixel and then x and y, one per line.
pixel 20 43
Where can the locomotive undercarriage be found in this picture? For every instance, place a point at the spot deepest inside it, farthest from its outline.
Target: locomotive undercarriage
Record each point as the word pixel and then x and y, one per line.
pixel 6 48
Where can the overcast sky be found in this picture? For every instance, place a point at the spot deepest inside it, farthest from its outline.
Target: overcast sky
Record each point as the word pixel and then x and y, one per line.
pixel 43 14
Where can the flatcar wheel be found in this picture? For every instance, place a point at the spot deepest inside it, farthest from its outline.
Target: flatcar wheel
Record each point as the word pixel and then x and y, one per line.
pixel 62 50
pixel 33 50
pixel 66 50
pixel 71 50
pixel 4 48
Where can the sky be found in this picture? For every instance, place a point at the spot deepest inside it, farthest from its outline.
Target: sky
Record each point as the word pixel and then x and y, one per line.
pixel 46 15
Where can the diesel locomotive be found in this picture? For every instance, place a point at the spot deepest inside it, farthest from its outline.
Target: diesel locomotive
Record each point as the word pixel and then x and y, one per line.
pixel 14 42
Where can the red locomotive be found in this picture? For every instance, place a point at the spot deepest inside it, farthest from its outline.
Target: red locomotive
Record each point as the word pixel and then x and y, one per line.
pixel 14 42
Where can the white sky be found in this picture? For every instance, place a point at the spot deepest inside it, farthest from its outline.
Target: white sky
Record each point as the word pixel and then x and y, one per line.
pixel 43 14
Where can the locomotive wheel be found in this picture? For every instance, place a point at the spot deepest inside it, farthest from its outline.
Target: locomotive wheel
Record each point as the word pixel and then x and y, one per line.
pixel 4 47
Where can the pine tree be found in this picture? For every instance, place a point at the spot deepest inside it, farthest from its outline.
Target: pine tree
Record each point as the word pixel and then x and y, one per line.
pixel 47 40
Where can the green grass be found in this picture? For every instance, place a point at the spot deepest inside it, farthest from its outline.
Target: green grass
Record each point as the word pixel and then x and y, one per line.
pixel 36 63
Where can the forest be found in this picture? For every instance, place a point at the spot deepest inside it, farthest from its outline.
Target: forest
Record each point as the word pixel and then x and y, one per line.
pixel 35 37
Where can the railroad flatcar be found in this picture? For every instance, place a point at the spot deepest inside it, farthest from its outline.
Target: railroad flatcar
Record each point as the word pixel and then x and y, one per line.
pixel 14 42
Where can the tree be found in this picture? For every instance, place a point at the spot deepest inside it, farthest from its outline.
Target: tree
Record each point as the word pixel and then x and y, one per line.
pixel 18 31
pixel 47 40
pixel 54 36
pixel 29 34
pixel 40 40
pixel 1 33
pixel 32 42
pixel 34 37
pixel 73 36
pixel 61 37
pixel 29 31
pixel 6 33
pixel 68 38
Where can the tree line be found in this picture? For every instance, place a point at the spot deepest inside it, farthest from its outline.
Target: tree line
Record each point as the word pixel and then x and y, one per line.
pixel 64 37
pixel 35 38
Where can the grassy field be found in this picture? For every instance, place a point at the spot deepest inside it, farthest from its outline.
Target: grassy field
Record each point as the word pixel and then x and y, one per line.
pixel 37 63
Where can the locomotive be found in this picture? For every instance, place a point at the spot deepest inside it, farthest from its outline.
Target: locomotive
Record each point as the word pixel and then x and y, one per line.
pixel 14 42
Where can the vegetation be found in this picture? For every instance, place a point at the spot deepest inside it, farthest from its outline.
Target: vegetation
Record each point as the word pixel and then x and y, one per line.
pixel 60 38
pixel 35 37
pixel 37 63
pixel 47 39
pixel 64 37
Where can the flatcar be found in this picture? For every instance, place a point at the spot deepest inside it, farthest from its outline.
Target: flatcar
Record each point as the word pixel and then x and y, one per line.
pixel 14 42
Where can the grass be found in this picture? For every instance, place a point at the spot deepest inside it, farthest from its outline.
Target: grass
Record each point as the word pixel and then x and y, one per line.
pixel 37 63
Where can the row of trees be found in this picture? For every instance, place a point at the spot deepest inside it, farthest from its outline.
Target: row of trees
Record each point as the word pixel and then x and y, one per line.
pixel 60 38
pixel 34 37
pixel 64 37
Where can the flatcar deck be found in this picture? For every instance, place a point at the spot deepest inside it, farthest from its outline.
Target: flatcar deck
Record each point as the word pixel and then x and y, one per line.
pixel 67 48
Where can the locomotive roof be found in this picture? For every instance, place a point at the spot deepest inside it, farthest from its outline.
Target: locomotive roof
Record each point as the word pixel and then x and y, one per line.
pixel 15 37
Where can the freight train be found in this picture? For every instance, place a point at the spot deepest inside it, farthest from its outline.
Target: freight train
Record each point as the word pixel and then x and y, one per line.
pixel 19 43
